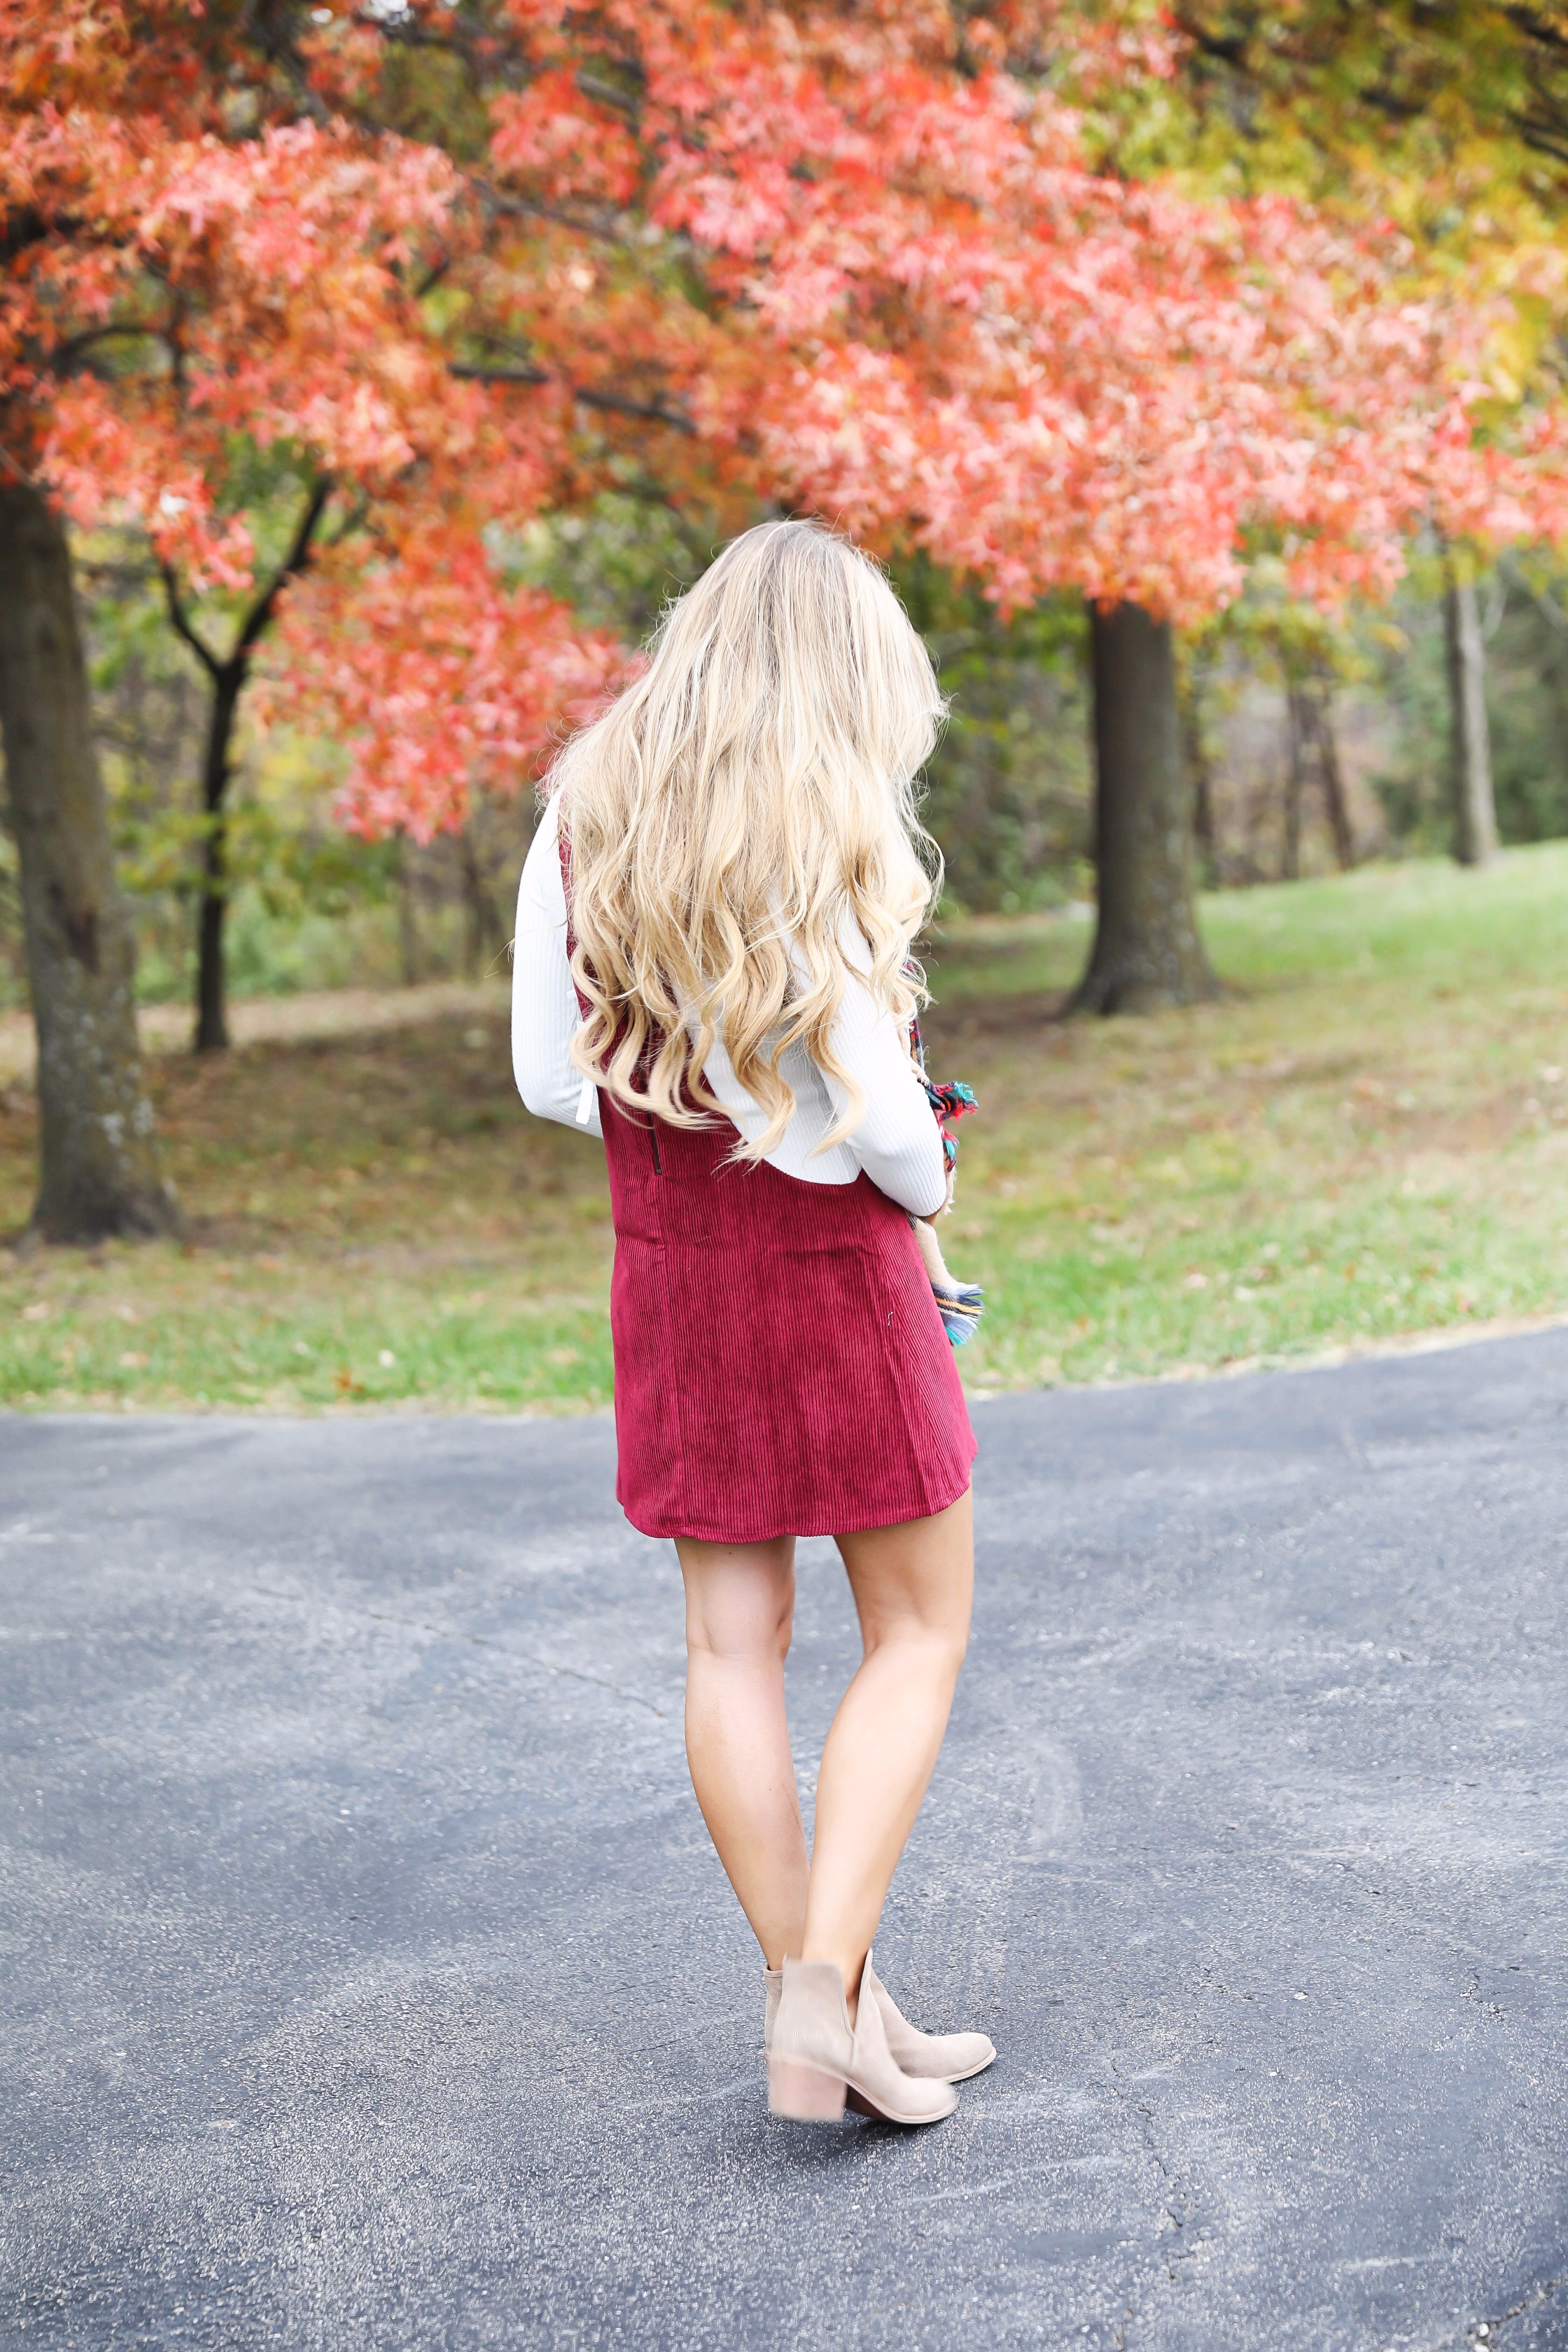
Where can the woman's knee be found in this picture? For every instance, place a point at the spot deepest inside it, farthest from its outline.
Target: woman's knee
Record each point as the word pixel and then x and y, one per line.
pixel 937 1641
pixel 916 1599
pixel 739 1602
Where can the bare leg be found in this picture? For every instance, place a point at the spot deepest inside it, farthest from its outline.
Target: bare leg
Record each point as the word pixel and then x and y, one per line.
pixel 740 1606
pixel 912 1586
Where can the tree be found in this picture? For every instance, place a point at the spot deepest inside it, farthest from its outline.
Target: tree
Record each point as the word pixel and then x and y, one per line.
pixel 870 267
pixel 1394 102
pixel 1147 950
pixel 100 1174
pixel 1193 681
pixel 1475 838
pixel 1313 746
pixel 1309 655
pixel 229 674
pixel 203 264
pixel 478 264
pixel 1454 120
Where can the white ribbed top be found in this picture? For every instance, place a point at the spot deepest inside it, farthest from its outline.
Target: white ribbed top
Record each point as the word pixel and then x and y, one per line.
pixel 897 1141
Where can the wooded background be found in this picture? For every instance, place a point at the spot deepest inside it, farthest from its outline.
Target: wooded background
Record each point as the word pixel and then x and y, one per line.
pixel 1010 790
pixel 373 375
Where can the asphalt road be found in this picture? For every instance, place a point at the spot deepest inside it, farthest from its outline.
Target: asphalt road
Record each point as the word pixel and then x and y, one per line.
pixel 369 1983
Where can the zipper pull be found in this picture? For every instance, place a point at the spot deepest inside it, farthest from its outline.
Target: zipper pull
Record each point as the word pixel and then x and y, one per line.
pixel 585 1103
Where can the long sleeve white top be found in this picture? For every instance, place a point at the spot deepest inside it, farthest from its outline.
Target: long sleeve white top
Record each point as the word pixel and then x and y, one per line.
pixel 896 1139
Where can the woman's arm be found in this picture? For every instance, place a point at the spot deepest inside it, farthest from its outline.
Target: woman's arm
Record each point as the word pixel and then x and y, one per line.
pixel 545 1015
pixel 897 1141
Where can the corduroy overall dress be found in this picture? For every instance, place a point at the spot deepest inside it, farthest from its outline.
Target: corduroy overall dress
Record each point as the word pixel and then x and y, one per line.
pixel 780 1367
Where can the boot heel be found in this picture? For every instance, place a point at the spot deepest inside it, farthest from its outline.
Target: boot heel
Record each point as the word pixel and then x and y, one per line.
pixel 804 2093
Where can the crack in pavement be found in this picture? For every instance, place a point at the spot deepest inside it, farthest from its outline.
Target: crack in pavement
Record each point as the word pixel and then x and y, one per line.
pixel 1485 2331
pixel 489 1641
pixel 1173 2222
pixel 474 1641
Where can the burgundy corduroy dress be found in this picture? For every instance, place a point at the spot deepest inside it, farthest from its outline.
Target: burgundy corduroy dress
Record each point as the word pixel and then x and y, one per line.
pixel 780 1367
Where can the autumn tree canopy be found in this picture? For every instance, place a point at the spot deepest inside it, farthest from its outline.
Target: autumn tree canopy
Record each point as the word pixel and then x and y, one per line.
pixel 454 266
pixel 472 264
pixel 206 260
pixel 860 260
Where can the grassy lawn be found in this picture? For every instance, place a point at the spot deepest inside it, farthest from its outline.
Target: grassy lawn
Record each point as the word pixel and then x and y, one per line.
pixel 1367 1137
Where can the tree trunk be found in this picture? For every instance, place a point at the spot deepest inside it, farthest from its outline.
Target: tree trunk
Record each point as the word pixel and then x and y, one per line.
pixel 1295 783
pixel 1331 776
pixel 407 917
pixel 100 1172
pixel 212 1008
pixel 229 683
pixel 1470 754
pixel 1200 772
pixel 1147 950
pixel 486 937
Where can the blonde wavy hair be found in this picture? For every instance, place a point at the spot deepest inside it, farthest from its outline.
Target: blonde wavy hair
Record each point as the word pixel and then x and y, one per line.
pixel 744 807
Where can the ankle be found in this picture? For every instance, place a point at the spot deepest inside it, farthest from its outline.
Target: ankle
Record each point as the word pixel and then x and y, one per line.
pixel 851 1968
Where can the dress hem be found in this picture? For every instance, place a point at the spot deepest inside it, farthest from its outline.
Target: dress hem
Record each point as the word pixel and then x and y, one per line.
pixel 820 1525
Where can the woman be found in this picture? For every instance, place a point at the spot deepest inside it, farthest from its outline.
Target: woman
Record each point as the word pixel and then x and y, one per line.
pixel 711 970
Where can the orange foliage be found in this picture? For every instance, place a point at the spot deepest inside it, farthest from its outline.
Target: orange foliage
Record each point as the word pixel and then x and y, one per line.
pixel 852 260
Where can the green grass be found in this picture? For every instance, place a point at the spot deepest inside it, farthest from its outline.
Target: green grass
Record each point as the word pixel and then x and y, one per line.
pixel 375 1222
pixel 1365 1139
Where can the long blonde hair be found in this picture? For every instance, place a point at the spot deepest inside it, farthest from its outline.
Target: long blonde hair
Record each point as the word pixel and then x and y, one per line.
pixel 745 806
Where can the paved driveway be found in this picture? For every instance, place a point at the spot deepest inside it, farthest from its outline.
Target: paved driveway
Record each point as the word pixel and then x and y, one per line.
pixel 370 1984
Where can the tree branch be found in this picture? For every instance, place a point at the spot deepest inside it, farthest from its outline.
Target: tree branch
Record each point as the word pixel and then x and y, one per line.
pixel 508 371
pixel 1537 27
pixel 601 225
pixel 604 93
pixel 293 563
pixel 614 403
pixel 24 226
pixel 349 520
pixel 72 349
pixel 1226 50
pixel 1547 607
pixel 182 625
pixel 652 412
pixel 1544 138
pixel 261 613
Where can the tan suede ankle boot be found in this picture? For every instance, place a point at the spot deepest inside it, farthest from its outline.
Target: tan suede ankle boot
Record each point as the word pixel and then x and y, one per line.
pixel 929 2057
pixel 818 2059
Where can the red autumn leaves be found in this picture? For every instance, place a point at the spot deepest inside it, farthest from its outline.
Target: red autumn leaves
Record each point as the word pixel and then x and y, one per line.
pixel 858 262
